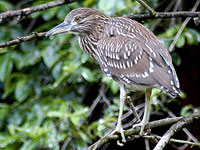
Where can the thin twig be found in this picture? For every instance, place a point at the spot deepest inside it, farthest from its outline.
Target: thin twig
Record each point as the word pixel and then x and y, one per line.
pixel 166 15
pixel 151 125
pixel 66 143
pixel 96 101
pixel 159 20
pixel 102 93
pixel 182 147
pixel 30 10
pixel 134 120
pixel 133 108
pixel 171 140
pixel 178 34
pixel 159 15
pixel 22 39
pixel 174 128
pixel 187 132
pixel 31 25
pixel 183 26
pixel 176 7
pixel 147 146
pixel 147 7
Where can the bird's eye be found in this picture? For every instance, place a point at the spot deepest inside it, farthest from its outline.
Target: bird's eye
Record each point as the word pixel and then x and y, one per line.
pixel 77 19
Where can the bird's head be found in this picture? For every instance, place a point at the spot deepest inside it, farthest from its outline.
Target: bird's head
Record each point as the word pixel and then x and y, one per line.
pixel 79 21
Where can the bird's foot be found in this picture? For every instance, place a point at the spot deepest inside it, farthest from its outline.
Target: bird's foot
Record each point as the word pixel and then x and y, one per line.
pixel 119 129
pixel 142 126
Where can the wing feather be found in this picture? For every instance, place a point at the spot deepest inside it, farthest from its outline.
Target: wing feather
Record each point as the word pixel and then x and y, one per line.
pixel 131 53
pixel 131 61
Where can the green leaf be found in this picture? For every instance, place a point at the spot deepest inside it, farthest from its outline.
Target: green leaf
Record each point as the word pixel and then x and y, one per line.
pixel 18 59
pixel 22 90
pixel 5 140
pixel 176 58
pixel 75 120
pixel 50 56
pixel 111 6
pixel 192 36
pixel 112 84
pixel 80 144
pixel 106 80
pixel 170 32
pixel 29 58
pixel 88 3
pixel 186 110
pixel 56 72
pixel 32 57
pixel 5 5
pixel 87 74
pixel 114 87
pixel 10 84
pixel 6 65
pixel 29 145
pixel 180 42
pixel 189 37
pixel 4 112
pixel 50 14
pixel 61 14
pixel 56 114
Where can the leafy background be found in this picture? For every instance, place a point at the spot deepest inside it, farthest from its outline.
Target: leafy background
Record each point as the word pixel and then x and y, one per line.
pixel 47 86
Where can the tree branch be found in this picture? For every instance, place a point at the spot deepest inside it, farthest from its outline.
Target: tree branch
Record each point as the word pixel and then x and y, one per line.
pixel 166 15
pixel 159 15
pixel 171 140
pixel 174 128
pixel 151 125
pixel 30 10
pixel 183 26
pixel 22 39
pixel 147 7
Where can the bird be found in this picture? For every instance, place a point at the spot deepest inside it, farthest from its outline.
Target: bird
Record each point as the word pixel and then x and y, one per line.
pixel 126 51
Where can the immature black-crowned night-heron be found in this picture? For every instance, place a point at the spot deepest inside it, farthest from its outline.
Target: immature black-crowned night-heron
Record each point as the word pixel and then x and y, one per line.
pixel 126 51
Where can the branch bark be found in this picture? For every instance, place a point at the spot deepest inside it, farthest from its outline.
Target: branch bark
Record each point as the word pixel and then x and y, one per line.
pixel 183 26
pixel 147 7
pixel 166 15
pixel 155 137
pixel 22 39
pixel 179 123
pixel 176 127
pixel 151 125
pixel 158 15
pixel 30 10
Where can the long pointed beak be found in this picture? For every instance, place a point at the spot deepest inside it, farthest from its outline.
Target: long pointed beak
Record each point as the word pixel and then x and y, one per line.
pixel 61 28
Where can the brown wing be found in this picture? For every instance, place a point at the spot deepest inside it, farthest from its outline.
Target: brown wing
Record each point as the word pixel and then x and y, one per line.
pixel 137 58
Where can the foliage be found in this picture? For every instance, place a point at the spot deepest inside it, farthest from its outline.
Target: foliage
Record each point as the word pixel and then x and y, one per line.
pixel 44 82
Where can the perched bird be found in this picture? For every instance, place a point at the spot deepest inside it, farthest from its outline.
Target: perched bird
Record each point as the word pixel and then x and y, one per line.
pixel 126 51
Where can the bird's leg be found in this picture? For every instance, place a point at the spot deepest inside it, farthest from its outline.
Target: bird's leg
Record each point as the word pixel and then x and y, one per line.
pixel 145 119
pixel 119 127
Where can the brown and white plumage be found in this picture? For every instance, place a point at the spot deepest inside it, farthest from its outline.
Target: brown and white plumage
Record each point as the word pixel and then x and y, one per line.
pixel 126 51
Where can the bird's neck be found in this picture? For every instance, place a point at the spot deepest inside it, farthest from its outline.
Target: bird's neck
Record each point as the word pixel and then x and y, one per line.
pixel 88 42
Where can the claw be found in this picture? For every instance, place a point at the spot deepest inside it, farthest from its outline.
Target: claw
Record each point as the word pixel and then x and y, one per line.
pixel 120 130
pixel 142 126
